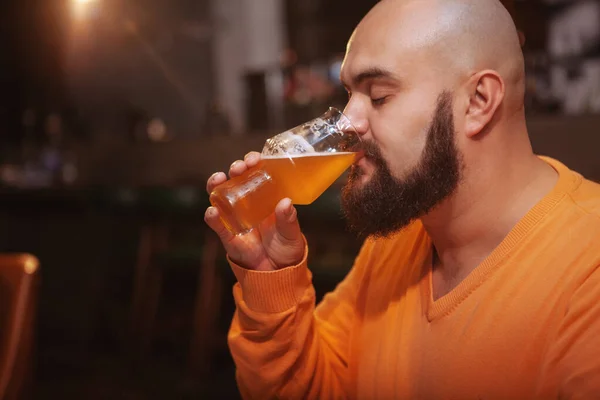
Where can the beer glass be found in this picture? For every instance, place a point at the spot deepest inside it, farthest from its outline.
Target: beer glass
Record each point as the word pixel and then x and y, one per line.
pixel 299 164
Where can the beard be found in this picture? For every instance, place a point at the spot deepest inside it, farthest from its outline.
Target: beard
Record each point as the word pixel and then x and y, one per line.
pixel 385 204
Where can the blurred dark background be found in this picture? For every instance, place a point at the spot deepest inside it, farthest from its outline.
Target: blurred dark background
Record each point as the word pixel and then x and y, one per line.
pixel 112 116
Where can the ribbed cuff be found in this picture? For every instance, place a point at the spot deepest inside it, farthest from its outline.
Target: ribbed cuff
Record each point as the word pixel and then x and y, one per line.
pixel 273 291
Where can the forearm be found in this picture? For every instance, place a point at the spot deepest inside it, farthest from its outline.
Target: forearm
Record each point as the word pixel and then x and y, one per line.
pixel 280 349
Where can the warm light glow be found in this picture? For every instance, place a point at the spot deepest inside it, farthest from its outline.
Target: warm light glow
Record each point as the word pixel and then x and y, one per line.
pixel 83 8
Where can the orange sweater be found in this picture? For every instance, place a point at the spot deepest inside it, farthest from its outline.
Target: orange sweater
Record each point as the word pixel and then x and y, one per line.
pixel 525 324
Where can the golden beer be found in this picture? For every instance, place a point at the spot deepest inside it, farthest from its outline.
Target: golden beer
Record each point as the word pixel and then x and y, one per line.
pixel 248 199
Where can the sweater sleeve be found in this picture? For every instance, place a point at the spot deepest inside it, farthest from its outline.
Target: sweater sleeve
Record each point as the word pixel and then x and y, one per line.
pixel 282 346
pixel 572 367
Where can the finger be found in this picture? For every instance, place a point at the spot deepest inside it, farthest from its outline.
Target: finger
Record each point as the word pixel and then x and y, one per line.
pixel 252 158
pixel 286 221
pixel 237 168
pixel 213 220
pixel 215 180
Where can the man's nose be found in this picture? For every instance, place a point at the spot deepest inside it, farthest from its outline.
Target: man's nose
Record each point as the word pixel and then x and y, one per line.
pixel 357 118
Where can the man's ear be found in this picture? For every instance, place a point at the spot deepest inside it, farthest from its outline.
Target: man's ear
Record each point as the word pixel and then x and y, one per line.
pixel 486 95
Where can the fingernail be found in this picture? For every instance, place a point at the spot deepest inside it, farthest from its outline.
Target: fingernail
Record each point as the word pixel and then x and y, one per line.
pixel 211 212
pixel 289 209
pixel 234 164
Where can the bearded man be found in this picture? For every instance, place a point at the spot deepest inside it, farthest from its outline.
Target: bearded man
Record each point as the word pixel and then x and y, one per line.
pixel 479 277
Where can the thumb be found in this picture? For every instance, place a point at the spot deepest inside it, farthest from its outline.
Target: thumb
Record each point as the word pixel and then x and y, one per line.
pixel 286 221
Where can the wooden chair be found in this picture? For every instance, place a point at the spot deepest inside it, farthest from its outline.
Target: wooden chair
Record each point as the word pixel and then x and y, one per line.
pixel 155 253
pixel 18 280
pixel 158 249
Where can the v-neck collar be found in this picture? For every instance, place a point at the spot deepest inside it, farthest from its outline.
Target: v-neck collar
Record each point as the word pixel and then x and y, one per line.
pixel 567 181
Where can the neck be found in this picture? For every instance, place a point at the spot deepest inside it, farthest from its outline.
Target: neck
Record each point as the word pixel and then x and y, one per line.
pixel 493 196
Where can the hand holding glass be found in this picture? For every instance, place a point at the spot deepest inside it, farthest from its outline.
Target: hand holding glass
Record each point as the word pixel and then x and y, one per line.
pixel 299 164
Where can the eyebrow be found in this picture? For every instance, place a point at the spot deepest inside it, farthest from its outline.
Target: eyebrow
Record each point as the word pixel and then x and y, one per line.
pixel 372 73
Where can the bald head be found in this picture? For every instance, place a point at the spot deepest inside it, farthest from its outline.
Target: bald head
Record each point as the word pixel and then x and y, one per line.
pixel 436 90
pixel 456 38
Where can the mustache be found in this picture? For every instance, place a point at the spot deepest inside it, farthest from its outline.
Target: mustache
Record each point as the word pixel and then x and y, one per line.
pixel 370 149
pixel 372 152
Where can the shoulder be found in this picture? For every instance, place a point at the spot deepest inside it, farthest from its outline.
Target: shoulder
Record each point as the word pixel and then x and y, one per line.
pixel 570 234
pixel 581 209
pixel 587 198
pixel 580 197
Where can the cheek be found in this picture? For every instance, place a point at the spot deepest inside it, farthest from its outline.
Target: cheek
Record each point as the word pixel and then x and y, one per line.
pixel 459 122
pixel 400 132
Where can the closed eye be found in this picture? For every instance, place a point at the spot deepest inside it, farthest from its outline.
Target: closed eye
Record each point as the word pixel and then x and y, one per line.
pixel 379 101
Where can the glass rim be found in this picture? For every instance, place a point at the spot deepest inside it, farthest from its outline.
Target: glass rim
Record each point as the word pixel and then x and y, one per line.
pixel 346 119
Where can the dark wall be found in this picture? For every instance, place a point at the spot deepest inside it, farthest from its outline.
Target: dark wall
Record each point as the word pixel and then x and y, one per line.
pixel 572 140
pixel 31 49
pixel 318 29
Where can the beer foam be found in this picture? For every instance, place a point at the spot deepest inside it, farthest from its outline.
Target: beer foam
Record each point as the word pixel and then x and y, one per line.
pixel 327 154
pixel 286 143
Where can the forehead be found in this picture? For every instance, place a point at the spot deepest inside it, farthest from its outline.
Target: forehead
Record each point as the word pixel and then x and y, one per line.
pixel 382 48
pixel 375 61
pixel 396 36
